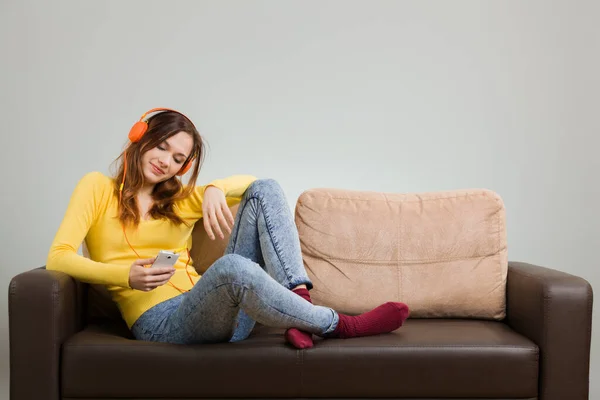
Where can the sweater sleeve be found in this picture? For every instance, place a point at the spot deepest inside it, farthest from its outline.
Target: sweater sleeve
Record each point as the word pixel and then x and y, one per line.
pixel 233 187
pixel 84 207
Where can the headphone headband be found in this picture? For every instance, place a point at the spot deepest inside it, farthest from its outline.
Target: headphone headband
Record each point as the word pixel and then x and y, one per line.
pixel 162 109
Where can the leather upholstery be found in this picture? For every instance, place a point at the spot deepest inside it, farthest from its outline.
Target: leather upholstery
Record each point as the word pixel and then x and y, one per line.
pixel 540 351
pixel 427 357
pixel 324 398
pixel 45 309
pixel 554 310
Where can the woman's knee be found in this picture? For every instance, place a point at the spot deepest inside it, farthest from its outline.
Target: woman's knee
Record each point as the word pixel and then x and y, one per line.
pixel 232 266
pixel 269 187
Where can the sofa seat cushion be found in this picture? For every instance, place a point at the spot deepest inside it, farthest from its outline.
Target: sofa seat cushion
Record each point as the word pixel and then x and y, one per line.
pixel 430 358
pixel 426 358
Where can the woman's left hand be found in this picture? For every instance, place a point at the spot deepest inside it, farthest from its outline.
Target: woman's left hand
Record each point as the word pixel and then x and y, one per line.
pixel 216 212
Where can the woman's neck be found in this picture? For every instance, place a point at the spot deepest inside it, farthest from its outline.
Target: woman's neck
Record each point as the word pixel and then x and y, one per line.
pixel 146 191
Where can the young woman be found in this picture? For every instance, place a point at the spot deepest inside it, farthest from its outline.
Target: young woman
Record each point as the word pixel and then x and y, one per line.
pixel 126 220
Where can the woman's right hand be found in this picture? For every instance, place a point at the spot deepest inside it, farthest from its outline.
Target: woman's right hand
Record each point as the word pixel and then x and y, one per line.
pixel 146 279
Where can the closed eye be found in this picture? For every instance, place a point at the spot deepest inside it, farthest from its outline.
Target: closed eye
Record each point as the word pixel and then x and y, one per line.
pixel 177 160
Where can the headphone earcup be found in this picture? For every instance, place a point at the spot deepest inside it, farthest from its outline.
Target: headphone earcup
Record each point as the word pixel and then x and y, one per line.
pixel 185 168
pixel 137 131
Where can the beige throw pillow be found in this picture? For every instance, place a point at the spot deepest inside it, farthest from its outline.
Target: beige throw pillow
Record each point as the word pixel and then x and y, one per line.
pixel 444 253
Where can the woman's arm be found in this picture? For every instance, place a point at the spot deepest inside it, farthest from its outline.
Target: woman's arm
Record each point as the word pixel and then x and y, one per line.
pixel 233 187
pixel 86 201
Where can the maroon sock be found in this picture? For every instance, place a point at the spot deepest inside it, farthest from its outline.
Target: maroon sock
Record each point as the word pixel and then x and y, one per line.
pixel 383 319
pixel 298 338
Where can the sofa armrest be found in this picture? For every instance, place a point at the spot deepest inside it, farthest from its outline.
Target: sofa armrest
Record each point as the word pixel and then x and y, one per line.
pixel 554 310
pixel 44 309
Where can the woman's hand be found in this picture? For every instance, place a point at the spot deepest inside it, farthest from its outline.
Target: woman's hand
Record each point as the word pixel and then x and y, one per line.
pixel 216 212
pixel 146 279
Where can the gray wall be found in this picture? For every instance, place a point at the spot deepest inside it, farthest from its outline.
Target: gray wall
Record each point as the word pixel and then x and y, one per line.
pixel 392 96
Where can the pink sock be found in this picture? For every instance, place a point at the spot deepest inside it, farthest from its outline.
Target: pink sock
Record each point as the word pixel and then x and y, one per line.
pixel 386 318
pixel 300 339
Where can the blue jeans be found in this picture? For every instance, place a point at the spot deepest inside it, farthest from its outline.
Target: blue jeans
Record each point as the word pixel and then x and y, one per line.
pixel 250 283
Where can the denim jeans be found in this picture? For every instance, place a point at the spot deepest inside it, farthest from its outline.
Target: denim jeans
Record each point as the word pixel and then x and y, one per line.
pixel 250 283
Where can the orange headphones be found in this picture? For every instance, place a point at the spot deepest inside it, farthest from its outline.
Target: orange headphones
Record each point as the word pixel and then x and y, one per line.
pixel 140 127
pixel 136 133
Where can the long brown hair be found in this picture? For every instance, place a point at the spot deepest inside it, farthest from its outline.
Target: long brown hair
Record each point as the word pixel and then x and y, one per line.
pixel 161 126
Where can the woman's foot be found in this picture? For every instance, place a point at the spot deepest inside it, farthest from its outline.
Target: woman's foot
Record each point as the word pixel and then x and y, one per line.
pixel 297 338
pixel 386 318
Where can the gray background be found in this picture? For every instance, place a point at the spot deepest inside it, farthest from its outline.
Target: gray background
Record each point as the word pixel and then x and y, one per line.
pixel 391 96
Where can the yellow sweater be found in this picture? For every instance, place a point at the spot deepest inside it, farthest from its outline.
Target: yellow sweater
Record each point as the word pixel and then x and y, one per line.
pixel 92 215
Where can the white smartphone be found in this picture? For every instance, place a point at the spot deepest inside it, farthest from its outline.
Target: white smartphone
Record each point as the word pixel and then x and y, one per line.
pixel 165 259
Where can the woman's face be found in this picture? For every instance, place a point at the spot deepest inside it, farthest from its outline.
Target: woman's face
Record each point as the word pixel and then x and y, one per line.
pixel 166 159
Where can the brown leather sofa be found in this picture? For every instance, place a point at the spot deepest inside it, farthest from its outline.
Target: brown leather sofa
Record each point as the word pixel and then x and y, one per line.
pixel 67 341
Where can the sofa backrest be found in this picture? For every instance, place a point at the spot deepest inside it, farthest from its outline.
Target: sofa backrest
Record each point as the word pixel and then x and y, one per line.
pixel 442 253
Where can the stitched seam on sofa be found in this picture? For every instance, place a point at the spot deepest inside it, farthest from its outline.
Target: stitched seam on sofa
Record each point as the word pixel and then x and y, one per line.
pixel 398 269
pixel 499 346
pixel 499 259
pixel 403 261
pixel 408 201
